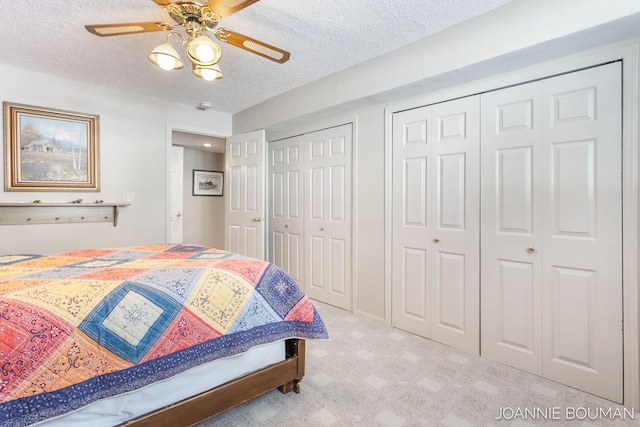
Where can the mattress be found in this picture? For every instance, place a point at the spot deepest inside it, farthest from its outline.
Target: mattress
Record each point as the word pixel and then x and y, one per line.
pixel 116 410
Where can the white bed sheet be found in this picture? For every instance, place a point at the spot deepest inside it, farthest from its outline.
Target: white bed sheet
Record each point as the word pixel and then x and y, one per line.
pixel 118 409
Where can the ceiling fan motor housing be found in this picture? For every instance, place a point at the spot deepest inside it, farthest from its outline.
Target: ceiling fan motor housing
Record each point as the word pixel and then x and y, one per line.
pixel 193 16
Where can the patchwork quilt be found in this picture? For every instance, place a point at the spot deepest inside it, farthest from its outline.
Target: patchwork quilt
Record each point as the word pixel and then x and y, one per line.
pixel 82 326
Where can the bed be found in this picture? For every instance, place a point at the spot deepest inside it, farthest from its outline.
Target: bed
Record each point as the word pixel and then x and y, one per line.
pixel 146 336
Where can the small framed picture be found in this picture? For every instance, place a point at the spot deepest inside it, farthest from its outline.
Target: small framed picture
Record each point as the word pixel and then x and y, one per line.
pixel 207 183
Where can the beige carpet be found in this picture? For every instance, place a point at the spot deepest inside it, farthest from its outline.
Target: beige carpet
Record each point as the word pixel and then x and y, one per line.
pixel 369 374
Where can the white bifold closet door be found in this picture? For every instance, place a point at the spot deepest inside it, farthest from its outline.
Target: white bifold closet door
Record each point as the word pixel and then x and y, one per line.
pixel 328 216
pixel 310 212
pixel 286 205
pixel 435 291
pixel 552 229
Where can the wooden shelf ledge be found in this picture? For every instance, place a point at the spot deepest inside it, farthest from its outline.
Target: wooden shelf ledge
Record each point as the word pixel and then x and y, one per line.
pixel 57 213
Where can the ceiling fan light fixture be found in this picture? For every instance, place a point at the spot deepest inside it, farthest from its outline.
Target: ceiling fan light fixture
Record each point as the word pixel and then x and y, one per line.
pixel 208 72
pixel 203 51
pixel 166 57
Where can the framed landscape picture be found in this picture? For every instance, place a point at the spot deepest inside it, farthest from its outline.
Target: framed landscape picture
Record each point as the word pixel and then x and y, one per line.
pixel 207 183
pixel 50 150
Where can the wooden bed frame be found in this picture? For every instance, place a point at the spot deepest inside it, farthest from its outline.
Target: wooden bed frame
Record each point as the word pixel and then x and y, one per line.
pixel 285 376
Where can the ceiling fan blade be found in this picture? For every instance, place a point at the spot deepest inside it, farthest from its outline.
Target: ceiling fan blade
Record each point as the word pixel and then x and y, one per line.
pixel 225 8
pixel 104 30
pixel 252 45
pixel 161 2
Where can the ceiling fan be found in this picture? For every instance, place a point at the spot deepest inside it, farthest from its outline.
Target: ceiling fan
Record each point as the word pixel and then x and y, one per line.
pixel 196 17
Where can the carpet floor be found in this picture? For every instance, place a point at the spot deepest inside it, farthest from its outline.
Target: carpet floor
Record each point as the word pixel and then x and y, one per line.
pixel 369 374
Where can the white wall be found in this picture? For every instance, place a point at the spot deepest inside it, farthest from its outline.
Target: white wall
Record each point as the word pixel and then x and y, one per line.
pixel 133 158
pixel 203 216
pixel 518 34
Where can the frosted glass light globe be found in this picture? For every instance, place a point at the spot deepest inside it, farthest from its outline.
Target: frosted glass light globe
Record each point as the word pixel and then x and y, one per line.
pixel 166 62
pixel 165 57
pixel 204 53
pixel 208 75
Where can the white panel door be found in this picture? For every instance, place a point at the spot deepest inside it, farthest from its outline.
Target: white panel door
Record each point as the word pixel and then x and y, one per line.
pixel 436 222
pixel 412 192
pixel 177 203
pixel 455 295
pixel 286 205
pixel 582 230
pixel 328 216
pixel 244 196
pixel 552 229
pixel 511 223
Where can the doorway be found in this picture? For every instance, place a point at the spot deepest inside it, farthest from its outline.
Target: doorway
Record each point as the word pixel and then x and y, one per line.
pixel 194 219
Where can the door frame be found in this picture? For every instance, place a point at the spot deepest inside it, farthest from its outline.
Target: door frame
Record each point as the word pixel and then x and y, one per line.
pixel 629 53
pixel 169 129
pixel 177 155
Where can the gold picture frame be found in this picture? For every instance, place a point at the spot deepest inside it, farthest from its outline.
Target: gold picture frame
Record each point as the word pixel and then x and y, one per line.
pixel 47 149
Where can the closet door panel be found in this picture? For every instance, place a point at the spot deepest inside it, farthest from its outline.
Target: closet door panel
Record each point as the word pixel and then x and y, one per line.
pixel 328 215
pixel 511 272
pixel 286 224
pixel 514 191
pixel 582 223
pixel 294 200
pixel 337 197
pixel 411 299
pixel 317 190
pixel 435 291
pixel 294 255
pixel 412 168
pixel 514 328
pixel 414 198
pixel 572 189
pixel 451 191
pixel 455 224
pixel 551 210
pixel 277 254
pixel 315 263
pixel 574 308
pixel 450 292
pixel 278 194
pixel 337 254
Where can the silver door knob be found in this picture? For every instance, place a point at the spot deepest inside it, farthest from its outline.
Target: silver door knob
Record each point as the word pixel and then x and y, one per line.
pixel 531 249
pixel 257 219
pixel 178 215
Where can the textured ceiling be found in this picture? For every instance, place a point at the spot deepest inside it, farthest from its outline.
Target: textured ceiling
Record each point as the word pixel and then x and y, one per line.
pixel 323 36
